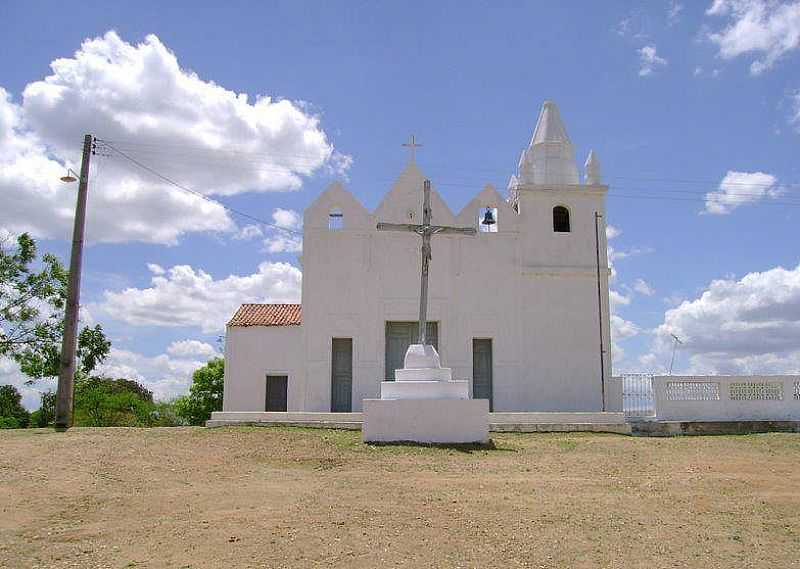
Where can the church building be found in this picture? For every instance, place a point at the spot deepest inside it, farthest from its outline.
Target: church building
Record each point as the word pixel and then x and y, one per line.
pixel 521 309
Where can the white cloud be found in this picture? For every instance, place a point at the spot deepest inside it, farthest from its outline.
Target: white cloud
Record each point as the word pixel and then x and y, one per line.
pixel 166 375
pixel 281 242
pixel 649 60
pixel 643 287
pixel 288 241
pixel 620 329
pixel 634 26
pixel 674 12
pixel 750 325
pixel 213 140
pixel 795 118
pixel 190 297
pixel 741 188
pixel 287 218
pixel 612 232
pixel 249 232
pixel 768 29
pixel 616 298
pixel 187 348
pixel 155 269
pixel 10 374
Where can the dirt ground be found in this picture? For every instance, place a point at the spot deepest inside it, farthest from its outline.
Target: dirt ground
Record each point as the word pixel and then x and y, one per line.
pixel 281 497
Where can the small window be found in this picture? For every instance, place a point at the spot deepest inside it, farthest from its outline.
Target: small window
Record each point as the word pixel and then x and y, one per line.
pixel 335 219
pixel 487 220
pixel 560 219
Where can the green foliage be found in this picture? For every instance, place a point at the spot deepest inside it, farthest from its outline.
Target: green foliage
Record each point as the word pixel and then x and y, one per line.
pixel 32 313
pixel 205 394
pixel 113 402
pixel 9 423
pixel 165 415
pixel 45 415
pixel 12 414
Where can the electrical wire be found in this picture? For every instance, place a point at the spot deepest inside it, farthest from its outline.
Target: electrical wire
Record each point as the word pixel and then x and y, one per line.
pixel 194 192
pixel 188 149
pixel 715 196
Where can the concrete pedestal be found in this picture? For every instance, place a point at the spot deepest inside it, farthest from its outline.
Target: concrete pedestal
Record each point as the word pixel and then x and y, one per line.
pixel 425 405
pixel 426 420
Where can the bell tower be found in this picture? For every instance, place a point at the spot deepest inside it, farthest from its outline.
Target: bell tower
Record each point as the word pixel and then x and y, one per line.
pixel 564 263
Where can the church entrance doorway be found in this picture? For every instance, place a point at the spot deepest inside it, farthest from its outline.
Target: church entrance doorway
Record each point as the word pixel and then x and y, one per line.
pixel 276 393
pixel 342 375
pixel 399 336
pixel 482 370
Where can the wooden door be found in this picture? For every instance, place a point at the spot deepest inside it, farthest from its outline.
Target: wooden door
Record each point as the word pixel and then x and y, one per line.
pixel 399 336
pixel 276 392
pixel 342 375
pixel 482 369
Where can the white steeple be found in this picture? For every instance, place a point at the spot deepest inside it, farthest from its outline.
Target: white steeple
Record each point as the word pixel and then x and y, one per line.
pixel 593 172
pixel 550 157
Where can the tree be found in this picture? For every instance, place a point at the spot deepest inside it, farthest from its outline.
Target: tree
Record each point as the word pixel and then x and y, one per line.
pixel 45 415
pixel 32 313
pixel 119 402
pixel 205 393
pixel 12 414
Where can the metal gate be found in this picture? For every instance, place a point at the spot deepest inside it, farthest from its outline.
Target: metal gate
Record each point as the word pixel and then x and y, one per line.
pixel 637 395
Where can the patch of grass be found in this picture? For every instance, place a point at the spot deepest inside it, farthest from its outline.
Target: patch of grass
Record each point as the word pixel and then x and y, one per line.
pixel 567 444
pixel 466 448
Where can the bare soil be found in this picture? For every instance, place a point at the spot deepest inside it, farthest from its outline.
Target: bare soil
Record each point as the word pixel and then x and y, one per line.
pixel 282 497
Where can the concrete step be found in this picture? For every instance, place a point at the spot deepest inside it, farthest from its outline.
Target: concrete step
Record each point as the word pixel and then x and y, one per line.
pixel 498 422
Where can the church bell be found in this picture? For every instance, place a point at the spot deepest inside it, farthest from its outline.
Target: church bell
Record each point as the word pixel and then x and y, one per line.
pixel 488 218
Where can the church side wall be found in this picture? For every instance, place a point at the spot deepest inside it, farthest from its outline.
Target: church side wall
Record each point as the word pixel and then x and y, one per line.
pixel 252 353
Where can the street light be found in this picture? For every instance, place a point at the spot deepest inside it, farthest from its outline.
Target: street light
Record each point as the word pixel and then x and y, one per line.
pixel 70 177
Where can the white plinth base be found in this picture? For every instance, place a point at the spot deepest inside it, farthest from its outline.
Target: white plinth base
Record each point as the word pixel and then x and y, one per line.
pixel 426 420
pixel 425 389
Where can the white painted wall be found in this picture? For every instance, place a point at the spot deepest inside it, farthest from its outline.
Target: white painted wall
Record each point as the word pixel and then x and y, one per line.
pixel 254 352
pixel 711 398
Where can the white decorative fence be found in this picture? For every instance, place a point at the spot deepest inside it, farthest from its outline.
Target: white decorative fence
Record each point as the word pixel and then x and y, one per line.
pixel 637 396
pixel 727 398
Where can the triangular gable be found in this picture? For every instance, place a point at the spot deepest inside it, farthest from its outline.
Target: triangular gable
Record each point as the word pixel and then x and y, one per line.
pixel 336 196
pixel 403 203
pixel 507 218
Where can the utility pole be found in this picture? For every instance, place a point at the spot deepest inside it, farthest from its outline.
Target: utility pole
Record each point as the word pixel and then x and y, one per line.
pixel 597 217
pixel 66 374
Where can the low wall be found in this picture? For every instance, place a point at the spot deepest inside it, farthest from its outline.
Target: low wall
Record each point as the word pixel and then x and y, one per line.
pixel 727 398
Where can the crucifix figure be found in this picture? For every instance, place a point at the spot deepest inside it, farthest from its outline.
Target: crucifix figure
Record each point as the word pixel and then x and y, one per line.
pixel 413 146
pixel 426 230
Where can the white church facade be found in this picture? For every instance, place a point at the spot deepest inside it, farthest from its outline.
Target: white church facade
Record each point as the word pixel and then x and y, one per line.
pixel 521 309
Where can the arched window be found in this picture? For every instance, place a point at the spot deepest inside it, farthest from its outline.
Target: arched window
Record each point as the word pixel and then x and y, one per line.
pixel 560 219
pixel 335 219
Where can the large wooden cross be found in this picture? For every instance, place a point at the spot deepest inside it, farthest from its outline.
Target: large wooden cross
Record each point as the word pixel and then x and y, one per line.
pixel 426 230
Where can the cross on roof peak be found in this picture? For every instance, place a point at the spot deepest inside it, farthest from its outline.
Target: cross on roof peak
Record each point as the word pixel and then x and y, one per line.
pixel 412 146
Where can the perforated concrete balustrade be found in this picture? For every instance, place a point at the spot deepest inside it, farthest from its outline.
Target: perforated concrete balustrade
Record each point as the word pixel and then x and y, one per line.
pixel 726 398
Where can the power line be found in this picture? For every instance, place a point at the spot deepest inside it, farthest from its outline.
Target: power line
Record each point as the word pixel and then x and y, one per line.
pixel 734 198
pixel 194 192
pixel 269 159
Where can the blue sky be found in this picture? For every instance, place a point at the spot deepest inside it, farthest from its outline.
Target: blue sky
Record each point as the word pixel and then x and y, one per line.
pixel 678 99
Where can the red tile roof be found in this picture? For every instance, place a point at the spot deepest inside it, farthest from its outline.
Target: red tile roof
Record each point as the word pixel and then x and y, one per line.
pixel 268 315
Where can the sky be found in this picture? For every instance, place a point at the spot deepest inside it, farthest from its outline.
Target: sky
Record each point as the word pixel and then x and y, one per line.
pixel 693 109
